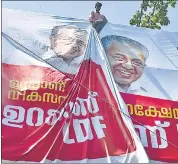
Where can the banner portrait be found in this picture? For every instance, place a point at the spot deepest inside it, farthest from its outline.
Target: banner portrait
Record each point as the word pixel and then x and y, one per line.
pixel 145 71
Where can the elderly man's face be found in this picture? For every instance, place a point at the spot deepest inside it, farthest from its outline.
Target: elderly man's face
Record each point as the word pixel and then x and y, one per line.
pixel 127 63
pixel 67 45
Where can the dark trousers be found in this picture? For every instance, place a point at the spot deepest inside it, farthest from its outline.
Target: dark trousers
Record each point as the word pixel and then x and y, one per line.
pixel 98 26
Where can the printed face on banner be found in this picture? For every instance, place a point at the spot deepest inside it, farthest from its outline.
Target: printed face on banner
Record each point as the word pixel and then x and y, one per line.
pixel 126 58
pixel 68 41
pixel 66 49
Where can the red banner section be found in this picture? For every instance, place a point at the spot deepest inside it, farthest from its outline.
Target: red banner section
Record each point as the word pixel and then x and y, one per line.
pixel 159 116
pixel 48 115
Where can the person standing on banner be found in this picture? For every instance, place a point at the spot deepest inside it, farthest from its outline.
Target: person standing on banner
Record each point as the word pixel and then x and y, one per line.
pixel 97 19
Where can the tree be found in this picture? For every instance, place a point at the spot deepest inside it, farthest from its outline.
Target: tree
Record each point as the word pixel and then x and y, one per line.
pixel 152 14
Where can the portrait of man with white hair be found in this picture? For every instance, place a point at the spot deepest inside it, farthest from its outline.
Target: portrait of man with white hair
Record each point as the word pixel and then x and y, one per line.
pixel 127 59
pixel 67 47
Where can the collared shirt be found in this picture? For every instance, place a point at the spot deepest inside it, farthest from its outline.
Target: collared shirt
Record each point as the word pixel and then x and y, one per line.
pixel 60 64
pixel 134 88
pixel 151 91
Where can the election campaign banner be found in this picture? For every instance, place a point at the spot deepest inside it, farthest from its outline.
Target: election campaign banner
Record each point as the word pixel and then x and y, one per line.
pixel 59 99
pixel 71 95
pixel 144 64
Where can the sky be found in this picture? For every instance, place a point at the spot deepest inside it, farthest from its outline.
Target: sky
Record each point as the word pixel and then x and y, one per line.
pixel 117 12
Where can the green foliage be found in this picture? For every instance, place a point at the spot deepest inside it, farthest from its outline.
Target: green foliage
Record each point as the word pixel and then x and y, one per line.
pixel 152 14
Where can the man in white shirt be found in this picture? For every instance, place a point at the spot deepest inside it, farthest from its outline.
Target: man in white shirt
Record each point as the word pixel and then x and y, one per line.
pixel 127 60
pixel 68 44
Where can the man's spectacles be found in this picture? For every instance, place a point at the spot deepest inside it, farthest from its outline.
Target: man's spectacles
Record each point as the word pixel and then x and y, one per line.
pixel 124 59
pixel 70 40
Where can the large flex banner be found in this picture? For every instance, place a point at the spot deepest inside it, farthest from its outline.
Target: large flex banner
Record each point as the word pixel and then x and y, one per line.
pixel 60 102
pixel 144 64
pixel 71 95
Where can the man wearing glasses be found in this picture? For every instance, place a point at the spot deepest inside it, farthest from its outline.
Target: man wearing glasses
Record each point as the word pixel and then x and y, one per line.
pixel 67 47
pixel 127 60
